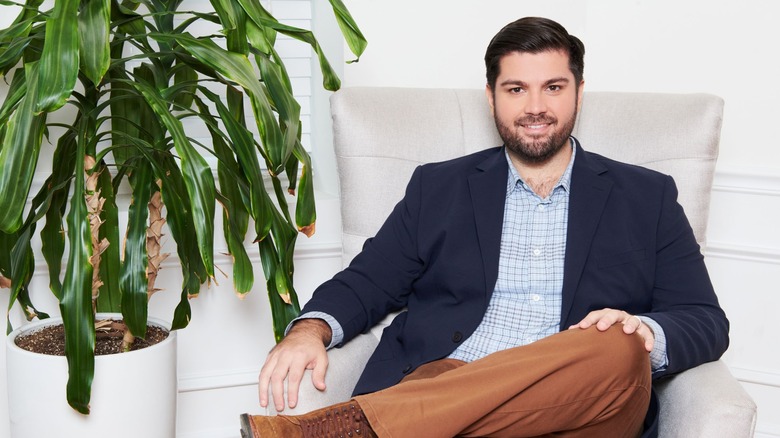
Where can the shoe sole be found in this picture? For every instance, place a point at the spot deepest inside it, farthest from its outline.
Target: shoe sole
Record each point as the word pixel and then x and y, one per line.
pixel 246 426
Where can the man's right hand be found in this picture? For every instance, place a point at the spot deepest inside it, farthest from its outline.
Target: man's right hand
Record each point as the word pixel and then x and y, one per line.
pixel 302 349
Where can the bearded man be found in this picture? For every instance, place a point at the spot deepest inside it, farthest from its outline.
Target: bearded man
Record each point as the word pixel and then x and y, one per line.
pixel 543 287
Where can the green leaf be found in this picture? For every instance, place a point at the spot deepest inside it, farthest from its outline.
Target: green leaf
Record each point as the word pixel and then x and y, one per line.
pixel 94 30
pixel 233 20
pixel 305 210
pixel 237 68
pixel 263 19
pixel 22 265
pixel 288 108
pixel 180 222
pixel 261 207
pixel 53 234
pixel 110 297
pixel 183 312
pixel 17 261
pixel 59 64
pixel 131 116
pixel 235 215
pixel 185 80
pixel 14 42
pixel 197 175
pixel 76 303
pixel 352 35
pixel 17 35
pixel 283 313
pixel 16 93
pixel 243 270
pixel 133 280
pixel 19 156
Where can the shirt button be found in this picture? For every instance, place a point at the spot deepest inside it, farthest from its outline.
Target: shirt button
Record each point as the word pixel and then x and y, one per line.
pixel 536 297
pixel 537 252
pixel 541 207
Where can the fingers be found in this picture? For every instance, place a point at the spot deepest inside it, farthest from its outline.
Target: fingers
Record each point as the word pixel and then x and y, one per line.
pixel 318 373
pixel 294 377
pixel 605 318
pixel 602 319
pixel 263 382
pixel 287 362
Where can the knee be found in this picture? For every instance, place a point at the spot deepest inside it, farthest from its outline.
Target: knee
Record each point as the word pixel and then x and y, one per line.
pixel 626 354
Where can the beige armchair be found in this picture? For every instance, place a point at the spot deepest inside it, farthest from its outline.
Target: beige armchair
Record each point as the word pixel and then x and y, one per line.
pixel 382 134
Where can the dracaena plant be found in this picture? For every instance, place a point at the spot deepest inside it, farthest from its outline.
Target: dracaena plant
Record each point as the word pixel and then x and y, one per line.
pixel 126 75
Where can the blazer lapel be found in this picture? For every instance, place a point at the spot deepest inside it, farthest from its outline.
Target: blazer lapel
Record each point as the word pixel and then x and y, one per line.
pixel 488 193
pixel 588 197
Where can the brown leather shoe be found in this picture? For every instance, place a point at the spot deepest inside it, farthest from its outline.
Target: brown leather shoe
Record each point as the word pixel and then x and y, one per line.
pixel 337 421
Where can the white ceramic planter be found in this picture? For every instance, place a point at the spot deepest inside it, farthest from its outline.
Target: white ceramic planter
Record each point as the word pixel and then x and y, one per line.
pixel 133 394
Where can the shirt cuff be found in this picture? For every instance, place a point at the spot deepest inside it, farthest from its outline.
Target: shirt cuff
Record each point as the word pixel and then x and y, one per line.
pixel 658 358
pixel 337 332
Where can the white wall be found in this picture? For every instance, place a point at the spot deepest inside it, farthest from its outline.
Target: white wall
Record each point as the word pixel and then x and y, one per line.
pixel 719 47
pixel 632 45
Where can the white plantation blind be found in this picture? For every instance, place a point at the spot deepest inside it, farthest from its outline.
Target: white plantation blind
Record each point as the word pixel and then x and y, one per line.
pixel 297 56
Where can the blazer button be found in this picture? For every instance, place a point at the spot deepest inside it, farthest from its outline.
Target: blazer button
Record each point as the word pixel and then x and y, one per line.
pixel 407 369
pixel 457 337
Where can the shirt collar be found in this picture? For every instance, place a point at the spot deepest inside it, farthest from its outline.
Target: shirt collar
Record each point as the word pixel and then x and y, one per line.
pixel 564 181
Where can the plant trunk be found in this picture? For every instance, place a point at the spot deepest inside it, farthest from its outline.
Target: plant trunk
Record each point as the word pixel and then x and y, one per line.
pixel 94 209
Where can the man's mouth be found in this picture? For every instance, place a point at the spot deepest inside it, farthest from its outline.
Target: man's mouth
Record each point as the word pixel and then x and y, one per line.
pixel 535 124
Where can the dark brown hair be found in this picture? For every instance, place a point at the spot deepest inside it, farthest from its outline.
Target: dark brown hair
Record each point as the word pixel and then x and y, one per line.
pixel 533 35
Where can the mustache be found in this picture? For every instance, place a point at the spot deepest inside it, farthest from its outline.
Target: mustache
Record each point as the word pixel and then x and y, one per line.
pixel 535 120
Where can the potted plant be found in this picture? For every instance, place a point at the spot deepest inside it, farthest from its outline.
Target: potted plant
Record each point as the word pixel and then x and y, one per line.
pixel 127 73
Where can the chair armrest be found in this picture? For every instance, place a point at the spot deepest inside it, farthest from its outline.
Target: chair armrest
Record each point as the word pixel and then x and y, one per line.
pixel 345 365
pixel 706 401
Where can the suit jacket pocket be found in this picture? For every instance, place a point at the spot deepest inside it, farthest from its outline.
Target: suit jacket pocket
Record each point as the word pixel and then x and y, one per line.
pixel 609 260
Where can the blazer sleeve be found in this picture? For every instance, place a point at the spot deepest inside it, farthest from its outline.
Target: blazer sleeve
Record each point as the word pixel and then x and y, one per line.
pixel 684 302
pixel 379 279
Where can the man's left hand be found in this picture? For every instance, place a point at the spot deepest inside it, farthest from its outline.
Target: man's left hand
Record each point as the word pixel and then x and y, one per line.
pixel 606 318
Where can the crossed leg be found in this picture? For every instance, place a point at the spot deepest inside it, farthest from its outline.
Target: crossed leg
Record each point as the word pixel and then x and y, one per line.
pixel 574 383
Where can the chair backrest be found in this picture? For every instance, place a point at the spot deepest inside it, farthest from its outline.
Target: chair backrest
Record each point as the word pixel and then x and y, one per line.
pixel 382 134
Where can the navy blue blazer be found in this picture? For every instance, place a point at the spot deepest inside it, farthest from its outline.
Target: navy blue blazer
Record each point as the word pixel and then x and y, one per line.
pixel 629 246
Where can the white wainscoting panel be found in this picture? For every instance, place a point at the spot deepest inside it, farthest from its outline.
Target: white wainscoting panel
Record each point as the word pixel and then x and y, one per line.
pixel 743 256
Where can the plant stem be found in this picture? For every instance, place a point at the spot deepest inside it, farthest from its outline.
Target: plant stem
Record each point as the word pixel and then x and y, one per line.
pixel 153 240
pixel 94 208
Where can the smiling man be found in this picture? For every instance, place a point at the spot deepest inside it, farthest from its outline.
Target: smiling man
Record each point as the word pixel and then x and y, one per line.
pixel 518 320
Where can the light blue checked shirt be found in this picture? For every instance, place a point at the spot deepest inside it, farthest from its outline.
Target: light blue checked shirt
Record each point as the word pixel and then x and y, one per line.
pixel 527 299
pixel 526 303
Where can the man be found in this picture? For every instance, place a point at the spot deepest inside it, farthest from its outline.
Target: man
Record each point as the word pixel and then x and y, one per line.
pixel 543 285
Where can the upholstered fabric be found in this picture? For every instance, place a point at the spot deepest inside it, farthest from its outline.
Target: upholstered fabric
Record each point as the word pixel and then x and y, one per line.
pixel 382 134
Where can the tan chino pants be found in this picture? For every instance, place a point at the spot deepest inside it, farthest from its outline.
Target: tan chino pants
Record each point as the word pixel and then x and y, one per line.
pixel 577 383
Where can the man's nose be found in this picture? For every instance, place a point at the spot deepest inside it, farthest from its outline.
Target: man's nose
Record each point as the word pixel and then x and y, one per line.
pixel 536 103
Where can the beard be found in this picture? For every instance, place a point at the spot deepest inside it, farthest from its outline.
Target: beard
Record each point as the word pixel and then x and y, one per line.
pixel 536 149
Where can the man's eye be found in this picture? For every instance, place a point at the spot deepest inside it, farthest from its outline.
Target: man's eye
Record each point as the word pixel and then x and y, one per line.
pixel 554 88
pixel 516 90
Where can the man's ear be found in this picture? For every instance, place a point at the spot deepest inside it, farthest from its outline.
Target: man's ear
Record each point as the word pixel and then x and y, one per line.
pixel 490 97
pixel 580 91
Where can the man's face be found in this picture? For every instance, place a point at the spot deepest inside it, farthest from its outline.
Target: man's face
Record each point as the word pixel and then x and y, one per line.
pixel 535 104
